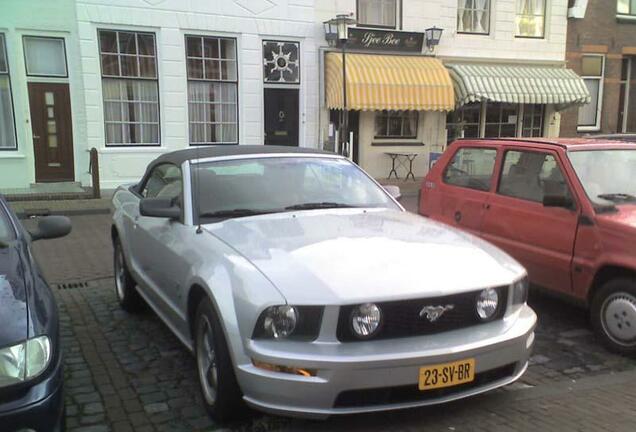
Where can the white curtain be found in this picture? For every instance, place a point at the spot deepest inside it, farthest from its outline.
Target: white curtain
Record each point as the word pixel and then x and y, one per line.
pixel 481 16
pixel 377 12
pixel 212 112
pixel 45 56
pixel 588 113
pixel 131 111
pixel 7 131
pixel 473 16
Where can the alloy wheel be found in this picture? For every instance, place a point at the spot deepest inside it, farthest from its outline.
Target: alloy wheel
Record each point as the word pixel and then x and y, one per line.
pixel 206 360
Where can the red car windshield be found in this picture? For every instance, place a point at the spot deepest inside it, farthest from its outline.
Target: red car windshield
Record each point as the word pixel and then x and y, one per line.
pixel 606 174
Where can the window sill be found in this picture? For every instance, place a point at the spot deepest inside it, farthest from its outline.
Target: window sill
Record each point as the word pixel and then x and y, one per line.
pixel 588 129
pixel 133 149
pixel 397 144
pixel 8 154
pixel 626 18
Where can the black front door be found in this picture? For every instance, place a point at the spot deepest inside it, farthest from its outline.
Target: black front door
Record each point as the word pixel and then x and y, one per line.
pixel 281 117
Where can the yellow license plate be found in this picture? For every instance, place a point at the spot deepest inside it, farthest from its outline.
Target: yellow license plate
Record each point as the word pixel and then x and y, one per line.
pixel 447 374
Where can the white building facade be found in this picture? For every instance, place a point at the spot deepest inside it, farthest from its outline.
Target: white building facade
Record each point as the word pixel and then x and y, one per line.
pixel 504 57
pixel 164 75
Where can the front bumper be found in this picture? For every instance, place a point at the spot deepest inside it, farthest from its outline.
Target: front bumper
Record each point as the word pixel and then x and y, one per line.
pixel 383 375
pixel 39 407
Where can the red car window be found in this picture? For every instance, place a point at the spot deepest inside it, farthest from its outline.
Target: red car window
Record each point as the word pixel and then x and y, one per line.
pixel 472 168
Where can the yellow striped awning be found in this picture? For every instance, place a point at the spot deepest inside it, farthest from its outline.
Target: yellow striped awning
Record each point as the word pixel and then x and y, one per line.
pixel 389 82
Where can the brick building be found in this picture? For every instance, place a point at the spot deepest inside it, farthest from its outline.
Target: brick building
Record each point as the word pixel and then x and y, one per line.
pixel 601 47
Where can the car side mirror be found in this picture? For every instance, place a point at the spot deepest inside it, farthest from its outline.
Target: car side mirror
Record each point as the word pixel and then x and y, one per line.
pixel 160 208
pixel 394 191
pixel 50 227
pixel 558 201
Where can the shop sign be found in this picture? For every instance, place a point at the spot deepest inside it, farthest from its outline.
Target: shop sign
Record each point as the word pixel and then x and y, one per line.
pixel 385 40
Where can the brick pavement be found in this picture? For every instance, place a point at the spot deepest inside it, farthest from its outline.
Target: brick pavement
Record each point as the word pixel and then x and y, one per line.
pixel 128 372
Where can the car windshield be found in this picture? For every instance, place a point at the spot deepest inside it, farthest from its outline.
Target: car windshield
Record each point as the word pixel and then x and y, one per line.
pixel 242 187
pixel 606 174
pixel 6 230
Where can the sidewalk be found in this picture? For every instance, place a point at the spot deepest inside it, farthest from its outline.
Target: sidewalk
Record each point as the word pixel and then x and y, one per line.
pixel 26 209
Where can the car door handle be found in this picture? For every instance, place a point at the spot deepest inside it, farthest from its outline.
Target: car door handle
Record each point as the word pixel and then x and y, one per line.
pixel 487 206
pixel 458 216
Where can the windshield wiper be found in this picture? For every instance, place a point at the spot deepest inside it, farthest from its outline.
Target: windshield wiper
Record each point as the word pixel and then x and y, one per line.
pixel 235 213
pixel 318 205
pixel 618 197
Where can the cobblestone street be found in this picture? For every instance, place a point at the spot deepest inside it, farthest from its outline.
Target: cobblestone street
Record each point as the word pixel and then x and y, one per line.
pixel 128 372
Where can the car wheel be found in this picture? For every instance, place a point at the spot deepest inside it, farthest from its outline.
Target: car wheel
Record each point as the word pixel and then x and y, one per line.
pixel 125 286
pixel 613 313
pixel 220 391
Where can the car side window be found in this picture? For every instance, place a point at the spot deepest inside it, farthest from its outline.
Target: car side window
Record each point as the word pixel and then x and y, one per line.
pixel 531 175
pixel 164 182
pixel 471 168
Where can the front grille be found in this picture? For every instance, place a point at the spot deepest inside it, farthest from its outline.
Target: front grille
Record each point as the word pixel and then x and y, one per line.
pixel 411 393
pixel 402 318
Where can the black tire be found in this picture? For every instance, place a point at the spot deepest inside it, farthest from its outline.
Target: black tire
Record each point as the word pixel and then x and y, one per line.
pixel 613 315
pixel 125 286
pixel 226 402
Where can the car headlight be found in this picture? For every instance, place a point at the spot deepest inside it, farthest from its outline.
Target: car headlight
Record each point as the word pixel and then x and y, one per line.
pixel 487 303
pixel 24 361
pixel 289 322
pixel 520 291
pixel 366 320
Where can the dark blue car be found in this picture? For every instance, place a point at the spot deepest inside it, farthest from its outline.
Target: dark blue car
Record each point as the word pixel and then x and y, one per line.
pixel 31 375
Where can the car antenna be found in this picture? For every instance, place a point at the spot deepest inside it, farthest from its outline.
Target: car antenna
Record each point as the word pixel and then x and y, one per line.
pixel 197 188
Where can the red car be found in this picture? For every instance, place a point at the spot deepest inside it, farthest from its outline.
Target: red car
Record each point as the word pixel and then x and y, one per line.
pixel 564 208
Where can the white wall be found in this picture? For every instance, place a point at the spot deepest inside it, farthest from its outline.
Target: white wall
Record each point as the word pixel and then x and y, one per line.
pixel 500 44
pixel 249 21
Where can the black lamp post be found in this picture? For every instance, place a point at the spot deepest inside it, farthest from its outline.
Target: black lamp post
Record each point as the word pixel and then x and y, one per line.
pixel 433 36
pixel 337 31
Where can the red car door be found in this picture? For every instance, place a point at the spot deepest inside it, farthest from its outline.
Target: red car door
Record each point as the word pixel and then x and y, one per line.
pixel 458 193
pixel 540 237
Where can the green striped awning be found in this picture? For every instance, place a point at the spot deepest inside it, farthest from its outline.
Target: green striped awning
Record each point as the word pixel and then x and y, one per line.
pixel 518 84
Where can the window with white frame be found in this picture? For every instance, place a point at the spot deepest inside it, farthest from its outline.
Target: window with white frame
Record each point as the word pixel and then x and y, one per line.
pixel 7 125
pixel 501 120
pixel 378 13
pixel 45 56
pixel 396 124
pixel 530 19
pixel 212 90
pixel 130 88
pixel 626 7
pixel 592 70
pixel 473 16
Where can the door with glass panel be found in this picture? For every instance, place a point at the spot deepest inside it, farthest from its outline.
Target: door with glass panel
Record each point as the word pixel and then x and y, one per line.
pixel 50 105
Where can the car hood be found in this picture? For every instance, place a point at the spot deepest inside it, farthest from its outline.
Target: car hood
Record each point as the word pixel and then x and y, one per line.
pixel 624 215
pixel 13 298
pixel 353 255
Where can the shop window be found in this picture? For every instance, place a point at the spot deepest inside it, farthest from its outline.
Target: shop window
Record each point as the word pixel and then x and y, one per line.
pixel 531 175
pixel 130 88
pixel 533 120
pixel 45 56
pixel 530 19
pixel 471 168
pixel 377 13
pixel 501 120
pixel 473 16
pixel 7 123
pixel 281 64
pixel 396 124
pixel 212 90
pixel 463 122
pixel 592 67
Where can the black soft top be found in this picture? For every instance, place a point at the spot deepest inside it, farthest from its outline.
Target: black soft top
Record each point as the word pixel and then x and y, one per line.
pixel 180 156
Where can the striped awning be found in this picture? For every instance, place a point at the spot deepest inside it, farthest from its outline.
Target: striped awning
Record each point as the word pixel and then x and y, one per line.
pixel 518 84
pixel 388 82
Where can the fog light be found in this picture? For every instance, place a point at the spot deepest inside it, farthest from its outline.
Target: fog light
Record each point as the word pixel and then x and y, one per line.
pixel 487 302
pixel 284 369
pixel 365 320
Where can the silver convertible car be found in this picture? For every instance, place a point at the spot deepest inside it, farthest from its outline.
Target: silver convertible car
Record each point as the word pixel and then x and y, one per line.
pixel 304 288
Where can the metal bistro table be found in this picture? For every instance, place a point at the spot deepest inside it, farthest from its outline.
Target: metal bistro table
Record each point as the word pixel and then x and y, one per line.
pixel 399 160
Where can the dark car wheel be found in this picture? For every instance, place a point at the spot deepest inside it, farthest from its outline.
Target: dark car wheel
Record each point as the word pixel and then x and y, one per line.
pixel 125 286
pixel 613 314
pixel 219 388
